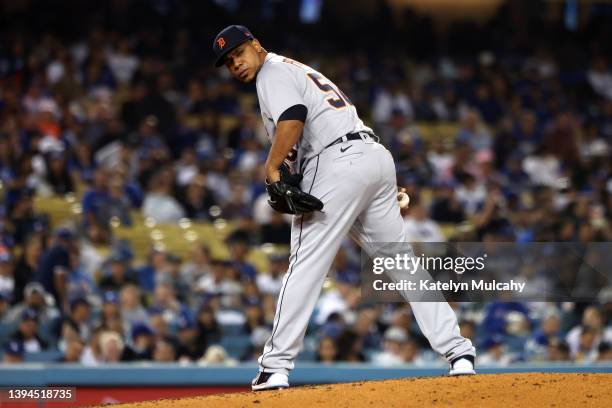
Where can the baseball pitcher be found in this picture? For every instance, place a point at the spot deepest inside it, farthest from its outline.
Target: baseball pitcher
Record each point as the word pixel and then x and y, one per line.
pixel 327 168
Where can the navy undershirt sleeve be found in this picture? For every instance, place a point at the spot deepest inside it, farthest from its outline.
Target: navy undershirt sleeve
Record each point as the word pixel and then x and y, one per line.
pixel 296 112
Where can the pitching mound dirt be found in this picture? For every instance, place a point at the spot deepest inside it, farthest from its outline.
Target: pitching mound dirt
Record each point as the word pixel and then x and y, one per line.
pixel 500 390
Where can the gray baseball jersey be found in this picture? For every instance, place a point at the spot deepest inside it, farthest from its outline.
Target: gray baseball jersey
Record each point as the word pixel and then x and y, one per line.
pixel 283 83
pixel 356 182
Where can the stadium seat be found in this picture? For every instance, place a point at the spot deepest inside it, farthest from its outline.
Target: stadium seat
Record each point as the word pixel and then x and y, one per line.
pixel 60 209
pixel 306 355
pixel 232 329
pixel 6 329
pixel 236 345
pixel 43 356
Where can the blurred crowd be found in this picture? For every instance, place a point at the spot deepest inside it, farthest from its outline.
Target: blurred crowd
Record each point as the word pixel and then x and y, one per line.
pixel 516 149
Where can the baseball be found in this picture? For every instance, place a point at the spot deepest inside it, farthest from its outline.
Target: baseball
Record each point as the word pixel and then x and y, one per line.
pixel 403 198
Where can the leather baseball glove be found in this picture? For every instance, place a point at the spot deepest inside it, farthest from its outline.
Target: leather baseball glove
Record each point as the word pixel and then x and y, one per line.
pixel 285 195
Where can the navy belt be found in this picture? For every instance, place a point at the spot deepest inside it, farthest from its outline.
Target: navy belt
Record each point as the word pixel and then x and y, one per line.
pixel 351 136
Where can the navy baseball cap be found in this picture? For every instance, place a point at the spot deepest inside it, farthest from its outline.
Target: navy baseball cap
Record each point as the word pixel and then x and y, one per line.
pixel 185 323
pixel 29 314
pixel 64 233
pixel 228 39
pixel 141 329
pixel 110 297
pixel 79 301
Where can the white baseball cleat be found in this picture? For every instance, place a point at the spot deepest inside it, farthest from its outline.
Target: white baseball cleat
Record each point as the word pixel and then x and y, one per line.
pixel 463 365
pixel 269 381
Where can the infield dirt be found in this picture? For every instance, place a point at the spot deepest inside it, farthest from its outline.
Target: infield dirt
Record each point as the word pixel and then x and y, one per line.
pixel 488 390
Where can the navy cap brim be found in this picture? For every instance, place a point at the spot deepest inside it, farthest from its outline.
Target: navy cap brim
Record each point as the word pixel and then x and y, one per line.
pixel 221 60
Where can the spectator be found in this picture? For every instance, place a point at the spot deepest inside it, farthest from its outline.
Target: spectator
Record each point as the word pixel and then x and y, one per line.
pixel 7 277
pixel 198 266
pixel 249 154
pixel 81 164
pixel 254 315
pixel 4 308
pixel 96 198
pixel 271 282
pixel 188 348
pixel 80 284
pixel 110 318
pixel 487 105
pixel 27 333
pixel 467 329
pixel 209 331
pixel 558 350
pixel 600 78
pixel 130 304
pixel 584 339
pixel 549 332
pixel 473 133
pixel 350 347
pixel 22 220
pixel 25 268
pixel 198 199
pixel 248 130
pixel 401 136
pixel 159 202
pixel 117 205
pixel 239 249
pixel 122 62
pixel 186 168
pixel 543 168
pixel 164 351
pixel 216 355
pixel 496 316
pixel 91 355
pixel 166 302
pixel 259 337
pixel 13 352
pixel 470 194
pixel 494 352
pixel 239 201
pixel 604 352
pixel 419 227
pixel 526 133
pixel 58 177
pixel 446 206
pixel 78 319
pixel 365 327
pixel 72 353
pixel 327 352
pixel 172 276
pixel 34 298
pixel 93 250
pixel 341 299
pixel 586 348
pixel 391 97
pixel 410 353
pixel 141 346
pixel 441 161
pixel 111 347
pixel 155 265
pixel 158 324
pixel 118 274
pixel 54 267
pixel 394 340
